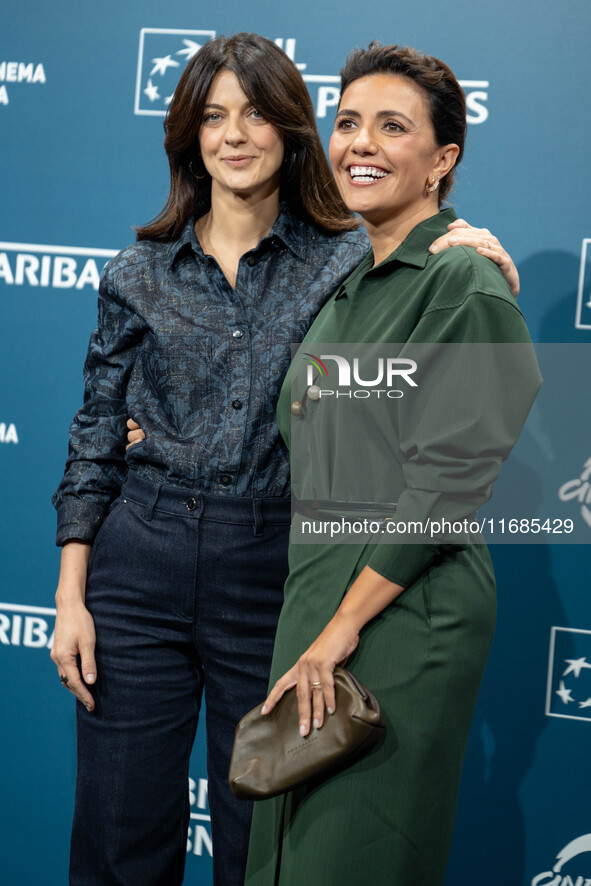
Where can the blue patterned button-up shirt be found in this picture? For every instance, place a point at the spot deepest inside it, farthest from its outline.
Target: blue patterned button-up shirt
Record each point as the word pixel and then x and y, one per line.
pixel 197 364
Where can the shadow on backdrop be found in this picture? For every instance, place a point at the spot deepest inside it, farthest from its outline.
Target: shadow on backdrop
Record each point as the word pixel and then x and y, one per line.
pixel 510 716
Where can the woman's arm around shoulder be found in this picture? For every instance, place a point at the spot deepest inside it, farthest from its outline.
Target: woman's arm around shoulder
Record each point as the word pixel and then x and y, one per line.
pixel 461 233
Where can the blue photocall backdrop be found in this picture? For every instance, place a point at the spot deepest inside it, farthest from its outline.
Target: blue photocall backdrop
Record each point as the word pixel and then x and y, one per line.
pixel 82 100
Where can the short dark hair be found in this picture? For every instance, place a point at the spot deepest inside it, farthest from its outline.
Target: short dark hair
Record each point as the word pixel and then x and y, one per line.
pixel 445 98
pixel 271 81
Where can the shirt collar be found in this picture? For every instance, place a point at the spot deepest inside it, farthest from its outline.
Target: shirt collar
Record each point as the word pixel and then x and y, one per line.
pixel 291 231
pixel 413 251
pixel 186 242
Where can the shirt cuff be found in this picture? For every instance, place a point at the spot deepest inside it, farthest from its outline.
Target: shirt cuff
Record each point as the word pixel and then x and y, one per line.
pixel 78 519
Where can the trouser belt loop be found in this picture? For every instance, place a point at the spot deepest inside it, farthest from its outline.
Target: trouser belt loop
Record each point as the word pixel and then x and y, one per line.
pixel 257 513
pixel 151 502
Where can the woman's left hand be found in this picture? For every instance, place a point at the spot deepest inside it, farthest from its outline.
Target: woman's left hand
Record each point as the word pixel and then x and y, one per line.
pixel 313 673
pixel 460 233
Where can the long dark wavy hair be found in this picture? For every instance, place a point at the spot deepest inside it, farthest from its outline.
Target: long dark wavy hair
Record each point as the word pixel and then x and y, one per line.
pixel 274 86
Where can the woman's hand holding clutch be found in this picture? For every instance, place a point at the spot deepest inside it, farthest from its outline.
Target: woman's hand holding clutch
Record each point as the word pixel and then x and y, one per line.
pixel 313 673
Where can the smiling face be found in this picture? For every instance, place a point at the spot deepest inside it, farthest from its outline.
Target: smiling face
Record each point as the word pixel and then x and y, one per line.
pixel 240 150
pixel 384 153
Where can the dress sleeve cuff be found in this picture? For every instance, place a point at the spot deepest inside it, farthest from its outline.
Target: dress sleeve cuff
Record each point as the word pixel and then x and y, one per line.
pixel 78 519
pixel 404 563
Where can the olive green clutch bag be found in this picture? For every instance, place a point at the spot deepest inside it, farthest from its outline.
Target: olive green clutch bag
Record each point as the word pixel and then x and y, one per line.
pixel 270 756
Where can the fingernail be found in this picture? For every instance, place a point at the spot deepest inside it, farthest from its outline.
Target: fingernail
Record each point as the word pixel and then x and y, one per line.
pixel 316 722
pixel 90 678
pixel 88 708
pixel 302 729
pixel 433 248
pixel 264 709
pixel 330 710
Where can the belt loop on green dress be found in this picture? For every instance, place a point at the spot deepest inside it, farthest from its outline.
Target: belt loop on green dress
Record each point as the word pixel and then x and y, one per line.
pixel 348 510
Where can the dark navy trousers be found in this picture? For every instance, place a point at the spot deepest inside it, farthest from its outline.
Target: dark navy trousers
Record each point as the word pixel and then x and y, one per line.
pixel 185 590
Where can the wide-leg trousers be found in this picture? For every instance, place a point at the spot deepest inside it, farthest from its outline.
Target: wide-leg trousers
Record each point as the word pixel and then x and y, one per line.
pixel 185 591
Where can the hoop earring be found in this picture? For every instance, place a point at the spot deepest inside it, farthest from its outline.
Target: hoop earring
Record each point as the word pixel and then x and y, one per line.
pixel 430 187
pixel 194 174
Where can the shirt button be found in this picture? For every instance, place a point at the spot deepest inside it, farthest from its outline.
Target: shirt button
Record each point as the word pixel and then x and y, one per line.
pixel 296 408
pixel 192 504
pixel 237 404
pixel 237 333
pixel 251 261
pixel 225 479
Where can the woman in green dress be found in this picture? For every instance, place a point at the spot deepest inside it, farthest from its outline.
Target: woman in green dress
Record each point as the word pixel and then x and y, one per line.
pixel 414 621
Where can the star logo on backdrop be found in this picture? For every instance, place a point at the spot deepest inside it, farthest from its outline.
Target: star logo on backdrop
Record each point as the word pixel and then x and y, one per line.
pixel 191 49
pixel 151 91
pixel 162 64
pixel 564 693
pixel 576 665
pixel 162 57
pixel 569 678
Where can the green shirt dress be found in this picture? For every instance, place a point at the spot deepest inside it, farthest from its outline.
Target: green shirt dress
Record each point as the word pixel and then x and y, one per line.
pixel 388 819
